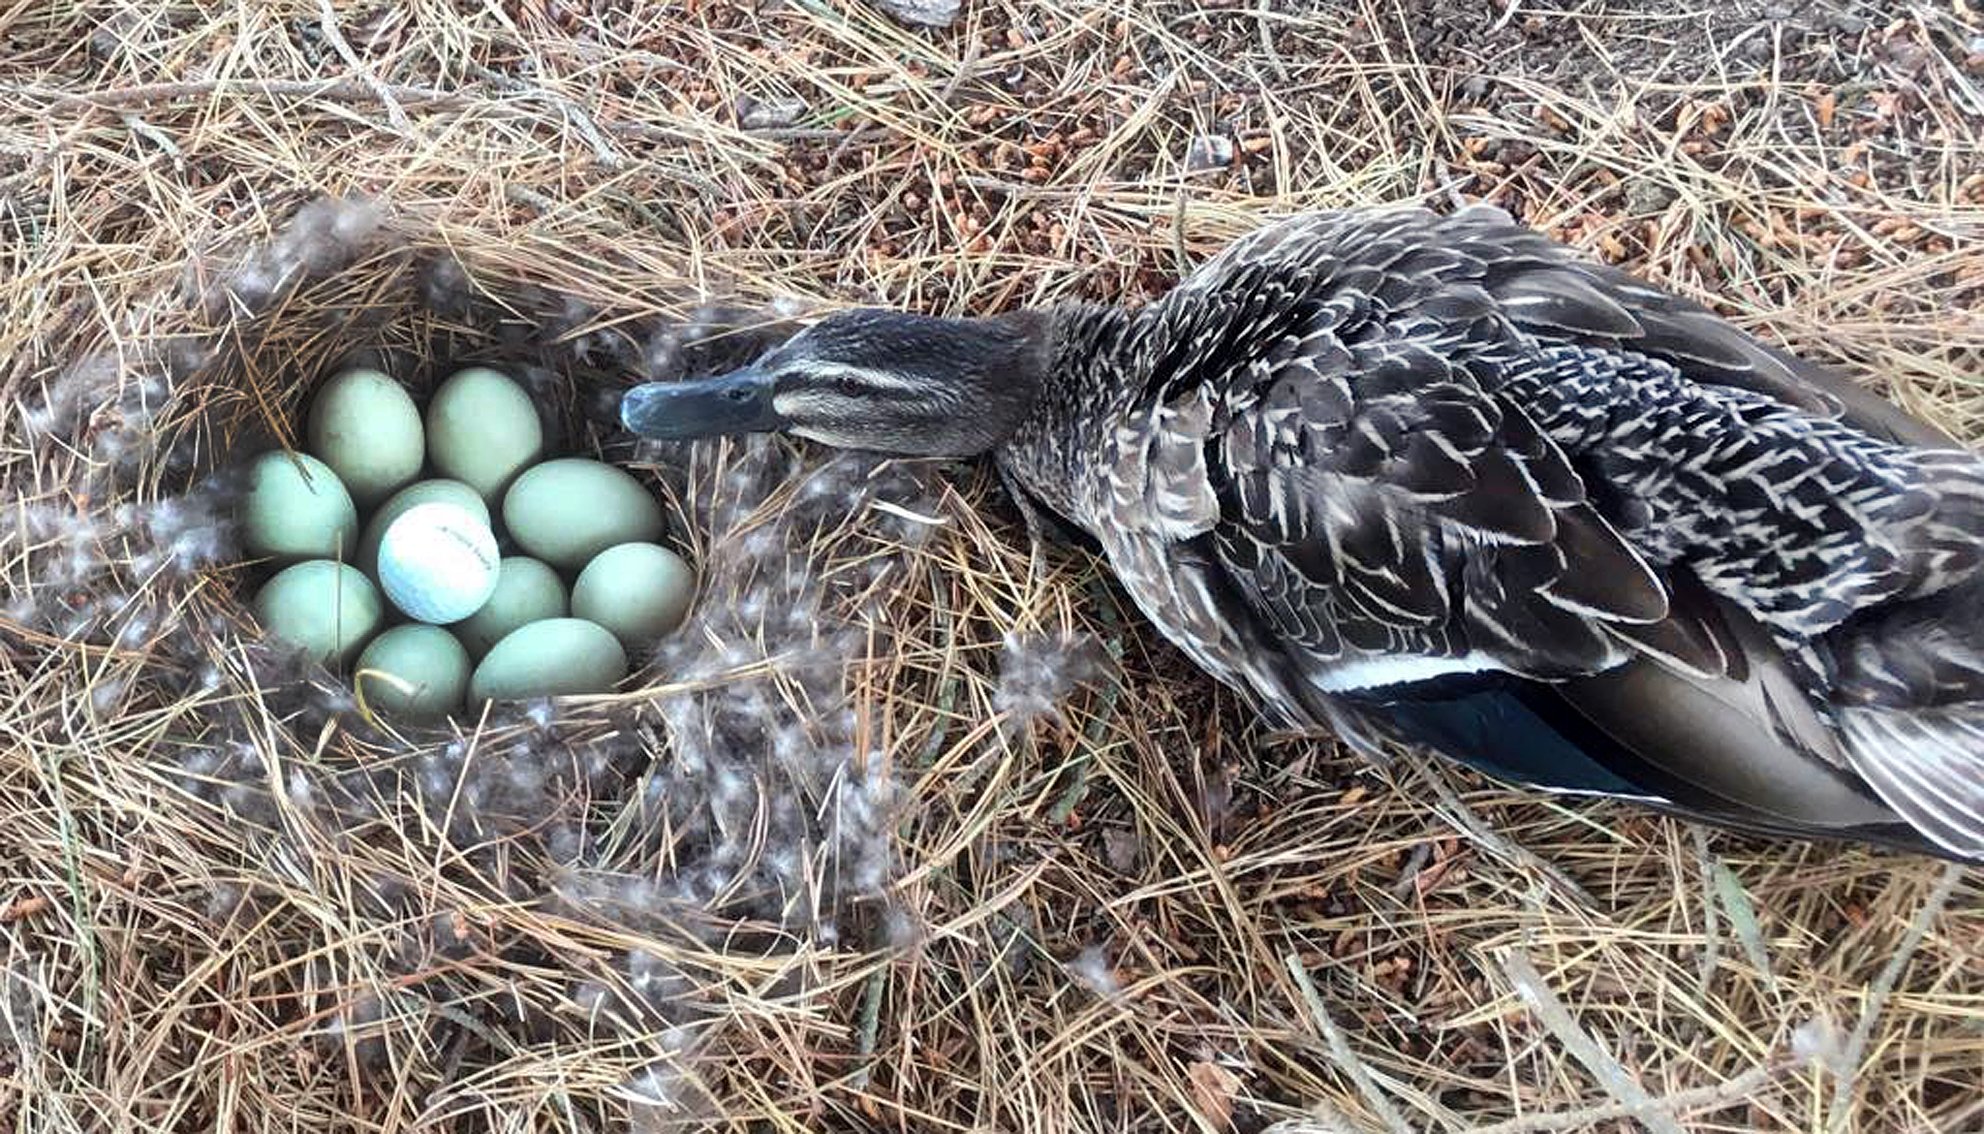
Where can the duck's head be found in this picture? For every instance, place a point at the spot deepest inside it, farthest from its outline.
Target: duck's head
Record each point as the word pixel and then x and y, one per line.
pixel 864 379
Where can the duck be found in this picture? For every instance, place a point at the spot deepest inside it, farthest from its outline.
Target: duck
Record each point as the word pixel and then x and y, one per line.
pixel 1435 479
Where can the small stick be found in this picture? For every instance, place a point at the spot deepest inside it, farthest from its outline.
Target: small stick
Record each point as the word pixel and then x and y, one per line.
pixel 871 1026
pixel 1531 986
pixel 602 150
pixel 1715 1094
pixel 1341 1051
pixel 1711 913
pixel 1877 997
pixel 328 21
pixel 347 90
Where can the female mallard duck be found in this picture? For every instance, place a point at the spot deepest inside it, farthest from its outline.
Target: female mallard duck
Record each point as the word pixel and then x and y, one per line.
pixel 1436 477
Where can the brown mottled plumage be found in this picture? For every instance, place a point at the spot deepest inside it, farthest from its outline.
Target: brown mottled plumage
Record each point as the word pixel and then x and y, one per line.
pixel 1439 478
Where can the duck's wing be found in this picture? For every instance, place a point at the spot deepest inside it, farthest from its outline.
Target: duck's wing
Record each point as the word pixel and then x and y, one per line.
pixel 1318 420
pixel 1904 666
pixel 1547 289
pixel 1347 509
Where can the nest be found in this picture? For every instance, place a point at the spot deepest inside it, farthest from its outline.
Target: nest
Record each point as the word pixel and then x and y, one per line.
pixel 913 825
pixel 660 888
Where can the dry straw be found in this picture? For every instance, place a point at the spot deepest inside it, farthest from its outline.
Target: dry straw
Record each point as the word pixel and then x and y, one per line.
pixel 912 827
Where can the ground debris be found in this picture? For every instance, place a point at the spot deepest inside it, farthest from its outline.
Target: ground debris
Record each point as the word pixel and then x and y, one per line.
pixel 925 13
pixel 1209 151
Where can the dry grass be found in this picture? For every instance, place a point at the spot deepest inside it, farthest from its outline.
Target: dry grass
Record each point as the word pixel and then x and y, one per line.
pixel 833 864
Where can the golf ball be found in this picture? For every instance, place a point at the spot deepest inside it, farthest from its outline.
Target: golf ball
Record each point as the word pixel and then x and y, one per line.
pixel 438 562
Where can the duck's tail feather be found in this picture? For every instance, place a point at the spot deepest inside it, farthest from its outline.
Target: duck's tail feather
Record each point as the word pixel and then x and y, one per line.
pixel 1910 683
pixel 1927 764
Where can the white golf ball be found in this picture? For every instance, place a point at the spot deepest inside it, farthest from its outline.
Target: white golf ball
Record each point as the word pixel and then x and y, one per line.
pixel 438 563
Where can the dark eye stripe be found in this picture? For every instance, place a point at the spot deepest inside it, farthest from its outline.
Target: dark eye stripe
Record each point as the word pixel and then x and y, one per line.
pixel 862 383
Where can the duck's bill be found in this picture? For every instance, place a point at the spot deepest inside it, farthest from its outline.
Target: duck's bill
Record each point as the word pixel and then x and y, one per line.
pixel 738 402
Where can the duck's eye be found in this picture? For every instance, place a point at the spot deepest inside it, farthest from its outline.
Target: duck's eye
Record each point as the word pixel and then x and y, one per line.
pixel 848 384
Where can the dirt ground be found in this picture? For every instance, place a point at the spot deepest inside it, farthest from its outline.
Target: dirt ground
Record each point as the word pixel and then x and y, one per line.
pixel 905 831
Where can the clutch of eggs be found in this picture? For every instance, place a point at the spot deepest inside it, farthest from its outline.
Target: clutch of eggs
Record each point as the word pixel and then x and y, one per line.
pixel 511 573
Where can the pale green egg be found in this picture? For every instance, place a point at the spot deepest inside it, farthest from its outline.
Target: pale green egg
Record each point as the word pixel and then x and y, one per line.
pixel 639 591
pixel 416 671
pixel 552 658
pixel 364 425
pixel 419 492
pixel 328 609
pixel 296 508
pixel 526 591
pixel 482 429
pixel 569 510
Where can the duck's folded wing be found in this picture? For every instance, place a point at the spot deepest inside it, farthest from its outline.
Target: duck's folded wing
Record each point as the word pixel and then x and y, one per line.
pixel 1413 546
pixel 1551 291
pixel 1411 523
pixel 1323 447
pixel 1367 520
pixel 1909 703
pixel 1465 594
